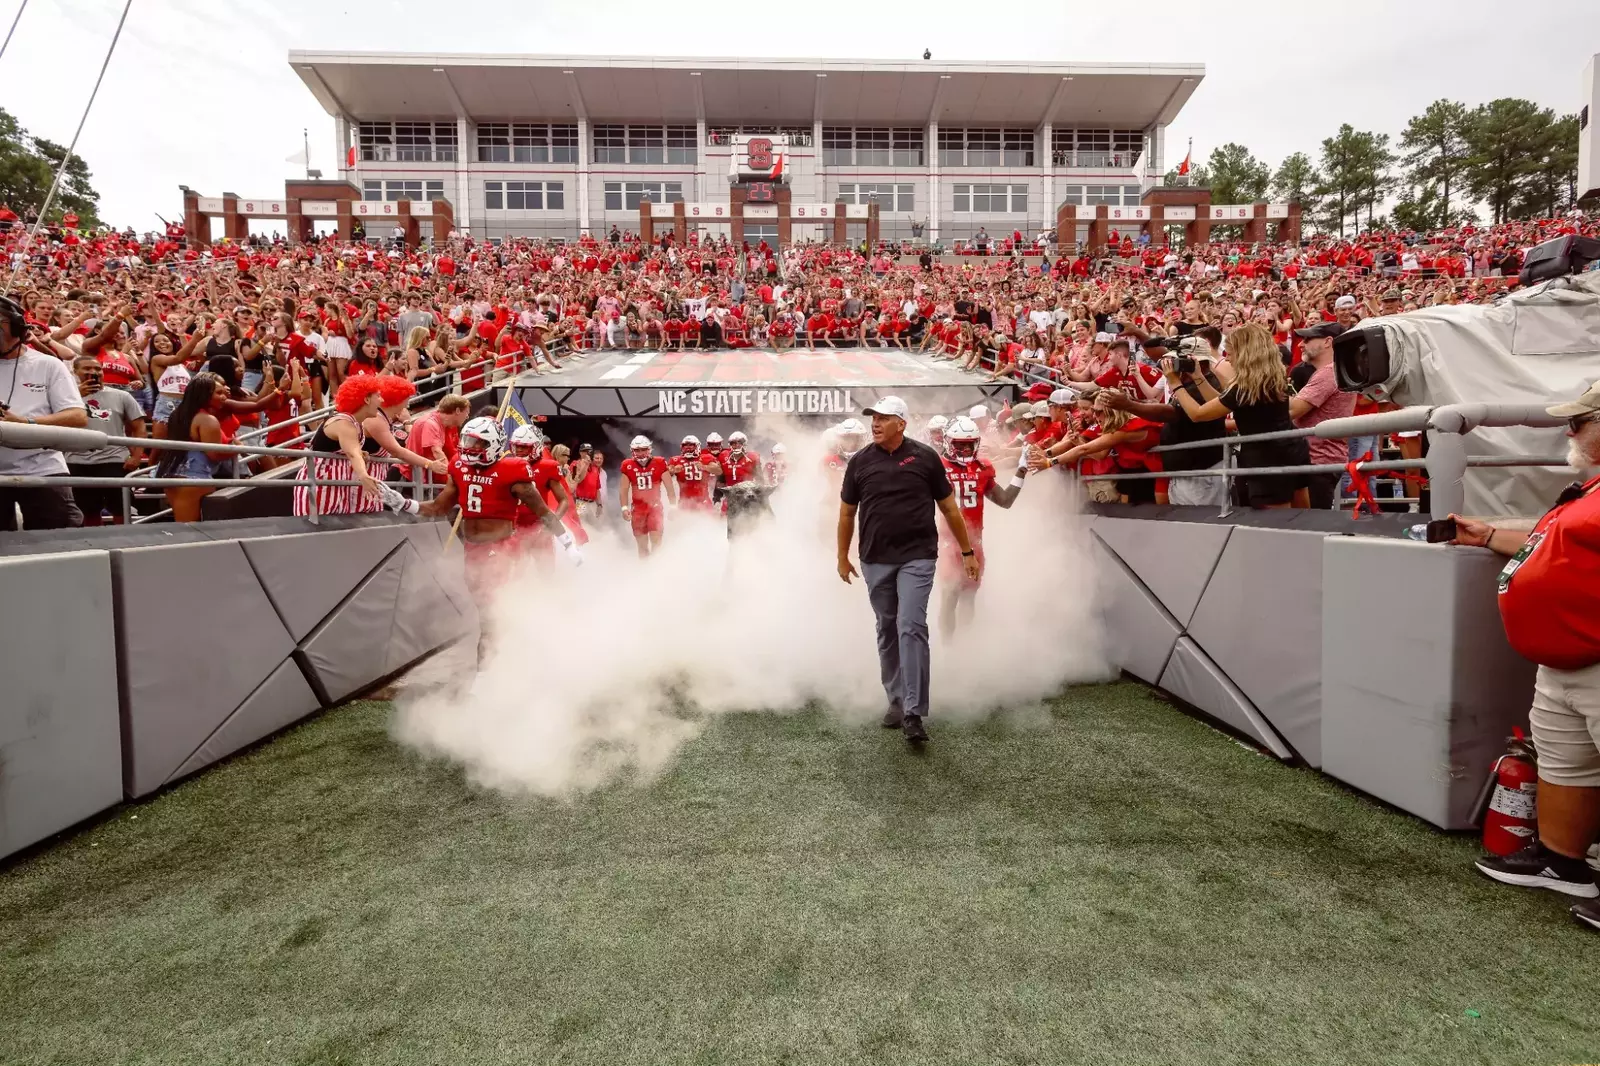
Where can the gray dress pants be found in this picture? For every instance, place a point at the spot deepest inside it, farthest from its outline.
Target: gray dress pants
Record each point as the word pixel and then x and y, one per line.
pixel 899 594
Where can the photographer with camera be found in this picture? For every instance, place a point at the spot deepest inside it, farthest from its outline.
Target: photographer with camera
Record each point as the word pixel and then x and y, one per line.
pixel 36 389
pixel 1550 608
pixel 1196 361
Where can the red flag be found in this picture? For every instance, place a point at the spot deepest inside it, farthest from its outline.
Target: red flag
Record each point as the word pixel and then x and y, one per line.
pixel 1183 168
pixel 777 168
pixel 350 157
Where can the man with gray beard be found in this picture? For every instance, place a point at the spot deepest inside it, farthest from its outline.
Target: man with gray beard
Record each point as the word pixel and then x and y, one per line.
pixel 1550 607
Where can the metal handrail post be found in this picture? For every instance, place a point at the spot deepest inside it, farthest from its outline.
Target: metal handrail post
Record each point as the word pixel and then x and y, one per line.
pixel 1227 479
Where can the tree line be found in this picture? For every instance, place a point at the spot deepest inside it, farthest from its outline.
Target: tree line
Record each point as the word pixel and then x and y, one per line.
pixel 28 165
pixel 1508 158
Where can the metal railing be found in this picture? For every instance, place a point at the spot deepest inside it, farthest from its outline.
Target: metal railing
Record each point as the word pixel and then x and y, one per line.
pixel 144 478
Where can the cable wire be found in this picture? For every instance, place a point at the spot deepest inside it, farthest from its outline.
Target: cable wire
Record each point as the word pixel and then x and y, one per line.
pixel 13 29
pixel 66 159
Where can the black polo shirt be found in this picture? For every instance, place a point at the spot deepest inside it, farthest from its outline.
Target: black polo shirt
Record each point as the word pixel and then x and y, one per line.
pixel 896 492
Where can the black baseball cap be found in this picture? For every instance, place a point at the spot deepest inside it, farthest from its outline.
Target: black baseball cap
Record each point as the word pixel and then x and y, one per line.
pixel 1326 329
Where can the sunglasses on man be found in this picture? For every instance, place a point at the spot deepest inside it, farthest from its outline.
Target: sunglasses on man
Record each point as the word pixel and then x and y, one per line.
pixel 1577 422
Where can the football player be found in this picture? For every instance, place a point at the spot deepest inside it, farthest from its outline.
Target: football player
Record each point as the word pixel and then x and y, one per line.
pixel 643 477
pixel 691 469
pixel 778 465
pixel 935 432
pixel 528 444
pixel 973 481
pixel 739 463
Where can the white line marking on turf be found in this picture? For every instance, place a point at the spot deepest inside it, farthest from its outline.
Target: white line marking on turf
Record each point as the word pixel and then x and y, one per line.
pixel 640 360
pixel 618 372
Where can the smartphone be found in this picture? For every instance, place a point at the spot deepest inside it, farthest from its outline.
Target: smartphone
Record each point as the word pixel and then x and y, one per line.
pixel 1441 531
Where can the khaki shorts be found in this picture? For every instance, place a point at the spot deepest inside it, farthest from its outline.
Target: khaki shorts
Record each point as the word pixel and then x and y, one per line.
pixel 1565 718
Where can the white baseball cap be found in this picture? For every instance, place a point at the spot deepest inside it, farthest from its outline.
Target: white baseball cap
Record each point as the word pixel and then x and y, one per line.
pixel 1063 398
pixel 888 406
pixel 978 411
pixel 1344 301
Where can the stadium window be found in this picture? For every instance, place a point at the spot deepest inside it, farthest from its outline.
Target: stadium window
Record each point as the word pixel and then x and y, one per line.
pixel 402 190
pixel 907 147
pixel 524 196
pixel 1093 148
pixel 1061 147
pixel 613 196
pixel 494 142
pixel 1073 195
pixel 681 146
pixel 555 196
pixel 847 194
pixel 530 143
pixel 433 190
pixel 444 142
pixel 963 197
pixel 1131 196
pixel 905 198
pixel 413 142
pixel 376 141
pixel 372 190
pixel 952 148
pixel 610 144
pixel 563 142
pixel 1019 199
pixel 1126 146
pixel 1103 194
pixel 674 192
pixel 983 148
pixel 645 144
pixel 872 148
pixel 1018 148
pixel 493 195
pixel 837 145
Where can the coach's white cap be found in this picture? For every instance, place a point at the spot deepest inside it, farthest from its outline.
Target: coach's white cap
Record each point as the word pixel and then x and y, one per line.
pixel 1063 398
pixel 889 406
pixel 1343 302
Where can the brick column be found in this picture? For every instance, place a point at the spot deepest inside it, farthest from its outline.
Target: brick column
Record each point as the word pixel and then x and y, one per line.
pixel 444 222
pixel 782 195
pixel 1157 225
pixel 680 226
pixel 235 227
pixel 346 219
pixel 197 227
pixel 1289 228
pixel 299 226
pixel 1199 231
pixel 647 230
pixel 1098 228
pixel 841 234
pixel 872 227
pixel 1066 226
pixel 1255 230
pixel 408 222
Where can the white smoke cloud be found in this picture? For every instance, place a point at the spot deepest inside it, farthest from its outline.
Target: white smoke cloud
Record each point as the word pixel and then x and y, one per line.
pixel 602 673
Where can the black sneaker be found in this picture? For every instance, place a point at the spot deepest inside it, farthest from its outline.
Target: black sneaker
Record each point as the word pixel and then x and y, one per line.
pixel 912 727
pixel 893 716
pixel 1586 913
pixel 1536 866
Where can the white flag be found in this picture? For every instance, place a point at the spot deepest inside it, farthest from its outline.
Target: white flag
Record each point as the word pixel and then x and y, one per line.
pixel 298 157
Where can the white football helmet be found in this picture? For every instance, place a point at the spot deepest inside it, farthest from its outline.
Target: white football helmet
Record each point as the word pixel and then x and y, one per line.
pixel 737 442
pixel 483 442
pixel 691 444
pixel 714 442
pixel 936 430
pixel 526 442
pixel 640 447
pixel 779 449
pixel 961 439
pixel 978 411
pixel 852 437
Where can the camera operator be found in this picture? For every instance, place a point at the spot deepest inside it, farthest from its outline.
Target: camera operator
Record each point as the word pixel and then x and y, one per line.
pixel 1550 607
pixel 36 389
pixel 1319 399
pixel 1196 361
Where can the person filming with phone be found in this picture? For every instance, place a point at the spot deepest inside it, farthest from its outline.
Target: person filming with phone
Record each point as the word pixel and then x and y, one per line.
pixel 1550 607
pixel 36 389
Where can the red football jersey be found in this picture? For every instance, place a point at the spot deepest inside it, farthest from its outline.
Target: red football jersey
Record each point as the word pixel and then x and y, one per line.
pixel 741 469
pixel 646 478
pixel 485 491
pixel 694 485
pixel 544 472
pixel 970 482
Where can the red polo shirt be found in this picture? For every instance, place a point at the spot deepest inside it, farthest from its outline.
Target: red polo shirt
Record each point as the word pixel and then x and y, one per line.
pixel 1550 591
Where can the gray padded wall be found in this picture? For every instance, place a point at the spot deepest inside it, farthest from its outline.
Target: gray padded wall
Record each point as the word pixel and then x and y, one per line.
pixel 1420 688
pixel 199 635
pixel 1174 560
pixel 307 575
pixel 60 740
pixel 1139 631
pixel 1199 682
pixel 1260 621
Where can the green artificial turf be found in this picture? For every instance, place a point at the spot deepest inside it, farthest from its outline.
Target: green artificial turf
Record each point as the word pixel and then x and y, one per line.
pixel 1109 881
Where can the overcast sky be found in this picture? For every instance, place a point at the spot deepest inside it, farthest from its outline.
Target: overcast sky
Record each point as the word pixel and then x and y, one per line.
pixel 200 92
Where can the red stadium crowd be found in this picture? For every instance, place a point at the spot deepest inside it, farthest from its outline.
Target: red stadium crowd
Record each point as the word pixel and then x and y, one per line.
pixel 274 330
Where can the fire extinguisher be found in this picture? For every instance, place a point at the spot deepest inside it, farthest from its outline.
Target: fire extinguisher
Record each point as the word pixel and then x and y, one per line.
pixel 1510 820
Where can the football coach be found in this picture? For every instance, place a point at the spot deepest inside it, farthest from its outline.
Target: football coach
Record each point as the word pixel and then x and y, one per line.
pixel 895 483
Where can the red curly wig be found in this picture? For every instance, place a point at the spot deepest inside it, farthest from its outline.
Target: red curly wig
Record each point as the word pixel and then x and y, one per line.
pixel 395 389
pixel 353 392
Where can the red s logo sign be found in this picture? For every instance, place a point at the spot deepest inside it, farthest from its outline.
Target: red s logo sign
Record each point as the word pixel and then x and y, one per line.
pixel 760 153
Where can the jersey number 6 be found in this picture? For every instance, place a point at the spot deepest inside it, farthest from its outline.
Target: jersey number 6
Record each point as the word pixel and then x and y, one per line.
pixel 474 500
